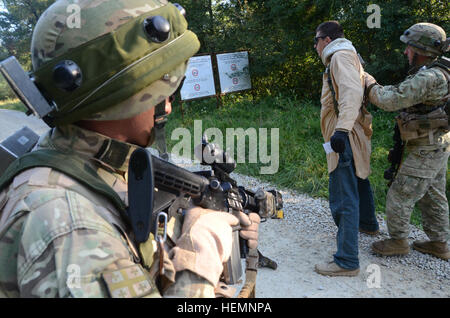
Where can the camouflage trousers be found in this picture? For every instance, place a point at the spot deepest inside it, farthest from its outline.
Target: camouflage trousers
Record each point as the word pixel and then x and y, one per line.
pixel 421 180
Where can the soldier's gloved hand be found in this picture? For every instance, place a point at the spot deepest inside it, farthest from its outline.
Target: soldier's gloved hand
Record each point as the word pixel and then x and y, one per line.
pixel 368 79
pixel 205 243
pixel 249 228
pixel 337 141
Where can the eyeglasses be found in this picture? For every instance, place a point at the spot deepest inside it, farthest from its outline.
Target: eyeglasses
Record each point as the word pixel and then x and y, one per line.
pixel 316 38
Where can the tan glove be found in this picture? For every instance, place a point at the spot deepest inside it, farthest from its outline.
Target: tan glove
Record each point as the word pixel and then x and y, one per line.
pixel 249 228
pixel 205 243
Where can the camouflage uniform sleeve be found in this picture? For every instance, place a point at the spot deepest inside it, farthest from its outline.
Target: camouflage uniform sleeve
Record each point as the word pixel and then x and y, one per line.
pixel 71 266
pixel 427 85
pixel 189 285
pixel 65 247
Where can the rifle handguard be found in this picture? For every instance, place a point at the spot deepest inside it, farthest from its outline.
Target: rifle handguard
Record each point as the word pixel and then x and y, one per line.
pixel 269 203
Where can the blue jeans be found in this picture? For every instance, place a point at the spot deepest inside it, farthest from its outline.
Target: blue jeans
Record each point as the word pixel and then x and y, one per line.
pixel 352 207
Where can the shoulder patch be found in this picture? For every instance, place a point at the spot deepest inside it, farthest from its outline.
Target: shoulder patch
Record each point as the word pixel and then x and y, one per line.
pixel 129 282
pixel 38 176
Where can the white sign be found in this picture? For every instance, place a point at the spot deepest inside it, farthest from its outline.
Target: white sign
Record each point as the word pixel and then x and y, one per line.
pixel 199 80
pixel 234 73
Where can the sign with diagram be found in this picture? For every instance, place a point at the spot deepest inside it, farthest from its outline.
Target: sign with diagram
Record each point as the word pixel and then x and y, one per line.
pixel 199 80
pixel 234 72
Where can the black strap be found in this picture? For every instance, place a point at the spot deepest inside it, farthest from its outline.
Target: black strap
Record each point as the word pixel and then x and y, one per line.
pixel 333 92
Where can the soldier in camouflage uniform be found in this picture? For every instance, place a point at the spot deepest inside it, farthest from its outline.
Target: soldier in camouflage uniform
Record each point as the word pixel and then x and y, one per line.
pixel 423 125
pixel 58 238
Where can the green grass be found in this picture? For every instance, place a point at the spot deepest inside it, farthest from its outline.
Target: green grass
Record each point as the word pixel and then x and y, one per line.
pixel 303 164
pixel 302 161
pixel 12 104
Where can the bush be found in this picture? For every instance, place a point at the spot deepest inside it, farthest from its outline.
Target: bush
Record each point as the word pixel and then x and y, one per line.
pixel 5 91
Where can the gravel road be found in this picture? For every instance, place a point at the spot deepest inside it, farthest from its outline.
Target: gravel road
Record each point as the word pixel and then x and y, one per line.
pixel 305 237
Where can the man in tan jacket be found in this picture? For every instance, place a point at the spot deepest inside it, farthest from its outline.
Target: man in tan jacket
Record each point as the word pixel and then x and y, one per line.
pixel 348 128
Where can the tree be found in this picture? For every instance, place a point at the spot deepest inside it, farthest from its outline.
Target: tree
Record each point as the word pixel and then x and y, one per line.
pixel 16 27
pixel 278 34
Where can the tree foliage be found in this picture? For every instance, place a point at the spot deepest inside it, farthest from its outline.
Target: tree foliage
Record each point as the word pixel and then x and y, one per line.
pixel 16 27
pixel 278 34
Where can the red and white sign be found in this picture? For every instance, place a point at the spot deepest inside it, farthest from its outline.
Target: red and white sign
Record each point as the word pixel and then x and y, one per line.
pixel 199 80
pixel 234 72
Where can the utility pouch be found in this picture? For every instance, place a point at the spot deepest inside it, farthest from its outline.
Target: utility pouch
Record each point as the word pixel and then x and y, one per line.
pixel 413 126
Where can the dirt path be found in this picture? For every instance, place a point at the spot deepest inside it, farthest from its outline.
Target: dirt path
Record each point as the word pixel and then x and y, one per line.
pixel 307 237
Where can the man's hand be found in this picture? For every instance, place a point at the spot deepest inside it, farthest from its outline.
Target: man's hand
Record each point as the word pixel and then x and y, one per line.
pixel 205 243
pixel 249 228
pixel 337 141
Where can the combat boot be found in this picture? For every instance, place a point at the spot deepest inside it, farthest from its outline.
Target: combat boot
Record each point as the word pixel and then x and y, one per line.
pixel 391 247
pixel 438 249
pixel 333 269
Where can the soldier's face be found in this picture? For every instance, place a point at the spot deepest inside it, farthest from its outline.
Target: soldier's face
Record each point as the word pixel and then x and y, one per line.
pixel 168 106
pixel 410 54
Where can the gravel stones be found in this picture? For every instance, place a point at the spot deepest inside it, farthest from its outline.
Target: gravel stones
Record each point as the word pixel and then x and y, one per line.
pixel 306 236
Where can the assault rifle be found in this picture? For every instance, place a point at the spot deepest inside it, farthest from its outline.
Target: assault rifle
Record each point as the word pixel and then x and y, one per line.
pixel 158 190
pixel 395 156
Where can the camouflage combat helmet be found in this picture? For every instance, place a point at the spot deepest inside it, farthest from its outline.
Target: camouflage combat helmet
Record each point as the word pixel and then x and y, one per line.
pixel 426 39
pixel 125 56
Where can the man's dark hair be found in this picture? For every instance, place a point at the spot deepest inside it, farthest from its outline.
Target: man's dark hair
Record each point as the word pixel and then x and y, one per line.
pixel 332 29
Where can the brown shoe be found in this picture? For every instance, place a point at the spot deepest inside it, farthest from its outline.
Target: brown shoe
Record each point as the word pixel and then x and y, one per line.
pixel 333 269
pixel 438 249
pixel 371 233
pixel 391 247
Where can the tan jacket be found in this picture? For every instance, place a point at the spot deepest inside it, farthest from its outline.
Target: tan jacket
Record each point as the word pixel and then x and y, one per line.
pixel 347 76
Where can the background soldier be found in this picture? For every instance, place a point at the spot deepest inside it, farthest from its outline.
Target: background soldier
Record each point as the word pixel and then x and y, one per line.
pixel 423 122
pixel 58 238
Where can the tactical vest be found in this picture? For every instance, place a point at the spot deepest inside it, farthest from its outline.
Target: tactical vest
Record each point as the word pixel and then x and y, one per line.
pixel 76 168
pixel 70 165
pixel 423 120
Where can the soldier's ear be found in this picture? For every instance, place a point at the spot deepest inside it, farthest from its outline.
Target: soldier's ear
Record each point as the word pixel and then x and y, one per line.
pixel 446 45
